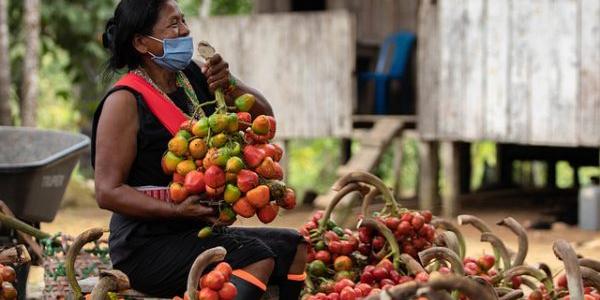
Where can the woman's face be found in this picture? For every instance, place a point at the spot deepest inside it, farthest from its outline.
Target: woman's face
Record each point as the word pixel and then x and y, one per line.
pixel 170 24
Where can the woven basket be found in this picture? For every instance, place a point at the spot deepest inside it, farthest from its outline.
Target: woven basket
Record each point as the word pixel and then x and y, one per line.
pixel 88 264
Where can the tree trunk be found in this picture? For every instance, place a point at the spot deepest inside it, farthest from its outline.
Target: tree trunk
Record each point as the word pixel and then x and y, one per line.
pixel 31 63
pixel 5 113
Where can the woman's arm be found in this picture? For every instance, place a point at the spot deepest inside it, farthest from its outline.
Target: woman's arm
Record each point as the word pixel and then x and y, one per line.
pixel 218 76
pixel 115 152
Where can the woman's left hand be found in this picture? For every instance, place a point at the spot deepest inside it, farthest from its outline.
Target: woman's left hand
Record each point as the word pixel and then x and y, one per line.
pixel 217 74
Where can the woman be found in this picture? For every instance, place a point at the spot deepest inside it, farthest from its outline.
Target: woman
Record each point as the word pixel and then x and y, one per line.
pixel 152 241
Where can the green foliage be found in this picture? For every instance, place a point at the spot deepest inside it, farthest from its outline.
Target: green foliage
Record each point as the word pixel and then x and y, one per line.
pixel 312 164
pixel 217 7
pixel 190 8
pixel 566 173
pixel 57 108
pixel 408 169
pixel 230 7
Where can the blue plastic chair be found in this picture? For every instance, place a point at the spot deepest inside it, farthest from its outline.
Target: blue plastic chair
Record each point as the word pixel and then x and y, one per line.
pixel 391 65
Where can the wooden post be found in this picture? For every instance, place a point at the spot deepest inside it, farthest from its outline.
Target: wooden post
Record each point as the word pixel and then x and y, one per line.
pixel 465 167
pixel 397 165
pixel 449 152
pixel 346 150
pixel 551 173
pixel 428 175
pixel 504 165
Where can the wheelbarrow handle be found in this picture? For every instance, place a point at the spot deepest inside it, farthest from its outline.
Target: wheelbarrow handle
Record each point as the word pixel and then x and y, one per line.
pixel 21 226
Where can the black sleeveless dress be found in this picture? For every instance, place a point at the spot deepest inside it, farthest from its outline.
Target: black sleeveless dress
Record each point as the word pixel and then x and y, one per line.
pixel 157 255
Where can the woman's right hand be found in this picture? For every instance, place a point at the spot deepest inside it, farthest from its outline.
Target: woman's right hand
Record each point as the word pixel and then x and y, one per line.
pixel 191 209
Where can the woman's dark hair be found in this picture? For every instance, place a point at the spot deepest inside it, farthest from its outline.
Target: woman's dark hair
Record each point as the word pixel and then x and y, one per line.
pixel 131 17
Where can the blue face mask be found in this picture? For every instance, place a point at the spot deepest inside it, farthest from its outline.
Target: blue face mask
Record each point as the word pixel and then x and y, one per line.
pixel 177 53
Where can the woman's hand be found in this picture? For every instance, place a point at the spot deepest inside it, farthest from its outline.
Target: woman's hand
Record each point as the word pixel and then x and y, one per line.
pixel 217 74
pixel 190 209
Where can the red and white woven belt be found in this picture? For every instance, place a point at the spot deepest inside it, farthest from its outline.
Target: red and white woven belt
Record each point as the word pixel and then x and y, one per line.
pixel 156 192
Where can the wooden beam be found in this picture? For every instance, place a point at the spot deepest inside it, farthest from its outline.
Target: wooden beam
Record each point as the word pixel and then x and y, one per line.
pixel 373 144
pixel 449 152
pixel 428 175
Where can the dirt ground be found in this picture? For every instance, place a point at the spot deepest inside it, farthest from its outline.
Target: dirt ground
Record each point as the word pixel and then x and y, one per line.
pixel 586 243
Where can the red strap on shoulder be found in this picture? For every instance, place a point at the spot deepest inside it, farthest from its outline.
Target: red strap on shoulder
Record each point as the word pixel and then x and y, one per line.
pixel 166 111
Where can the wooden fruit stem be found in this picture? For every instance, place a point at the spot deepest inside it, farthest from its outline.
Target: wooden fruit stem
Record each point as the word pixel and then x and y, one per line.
pixel 373 193
pixel 512 295
pixel 450 241
pixel 220 98
pixel 499 247
pixel 202 261
pixel 590 263
pixel 447 225
pixel 412 265
pixel 347 189
pixel 389 236
pixel 529 271
pixel 517 229
pixel 104 286
pixel 480 225
pixel 364 177
pixel 591 277
pixel 567 254
pixel 442 253
pixel 80 241
pixel 23 227
pixel 465 285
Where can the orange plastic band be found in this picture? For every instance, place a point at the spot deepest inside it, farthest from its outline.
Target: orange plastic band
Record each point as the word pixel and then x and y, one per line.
pixel 296 277
pixel 250 278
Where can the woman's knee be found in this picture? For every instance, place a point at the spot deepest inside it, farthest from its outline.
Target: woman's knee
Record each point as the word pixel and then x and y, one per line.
pixel 262 269
pixel 301 253
pixel 268 265
pixel 299 262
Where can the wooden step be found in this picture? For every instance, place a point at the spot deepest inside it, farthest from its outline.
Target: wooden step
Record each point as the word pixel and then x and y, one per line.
pixel 373 143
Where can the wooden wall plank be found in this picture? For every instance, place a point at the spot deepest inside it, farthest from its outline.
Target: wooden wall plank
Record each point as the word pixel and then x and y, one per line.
pixel 589 105
pixel 452 44
pixel 306 72
pixel 543 76
pixel 553 85
pixel 519 71
pixel 473 70
pixel 563 111
pixel 496 56
pixel 428 65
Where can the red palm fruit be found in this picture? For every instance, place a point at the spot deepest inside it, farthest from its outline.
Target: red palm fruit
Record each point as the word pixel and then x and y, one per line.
pixel 177 192
pixel 289 199
pixel 244 118
pixel 261 125
pixel 258 196
pixel 266 169
pixel 417 221
pixel 253 156
pixel 247 180
pixel 267 213
pixel 178 178
pixel 269 149
pixel 243 208
pixel 272 127
pixel 194 182
pixel 214 177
